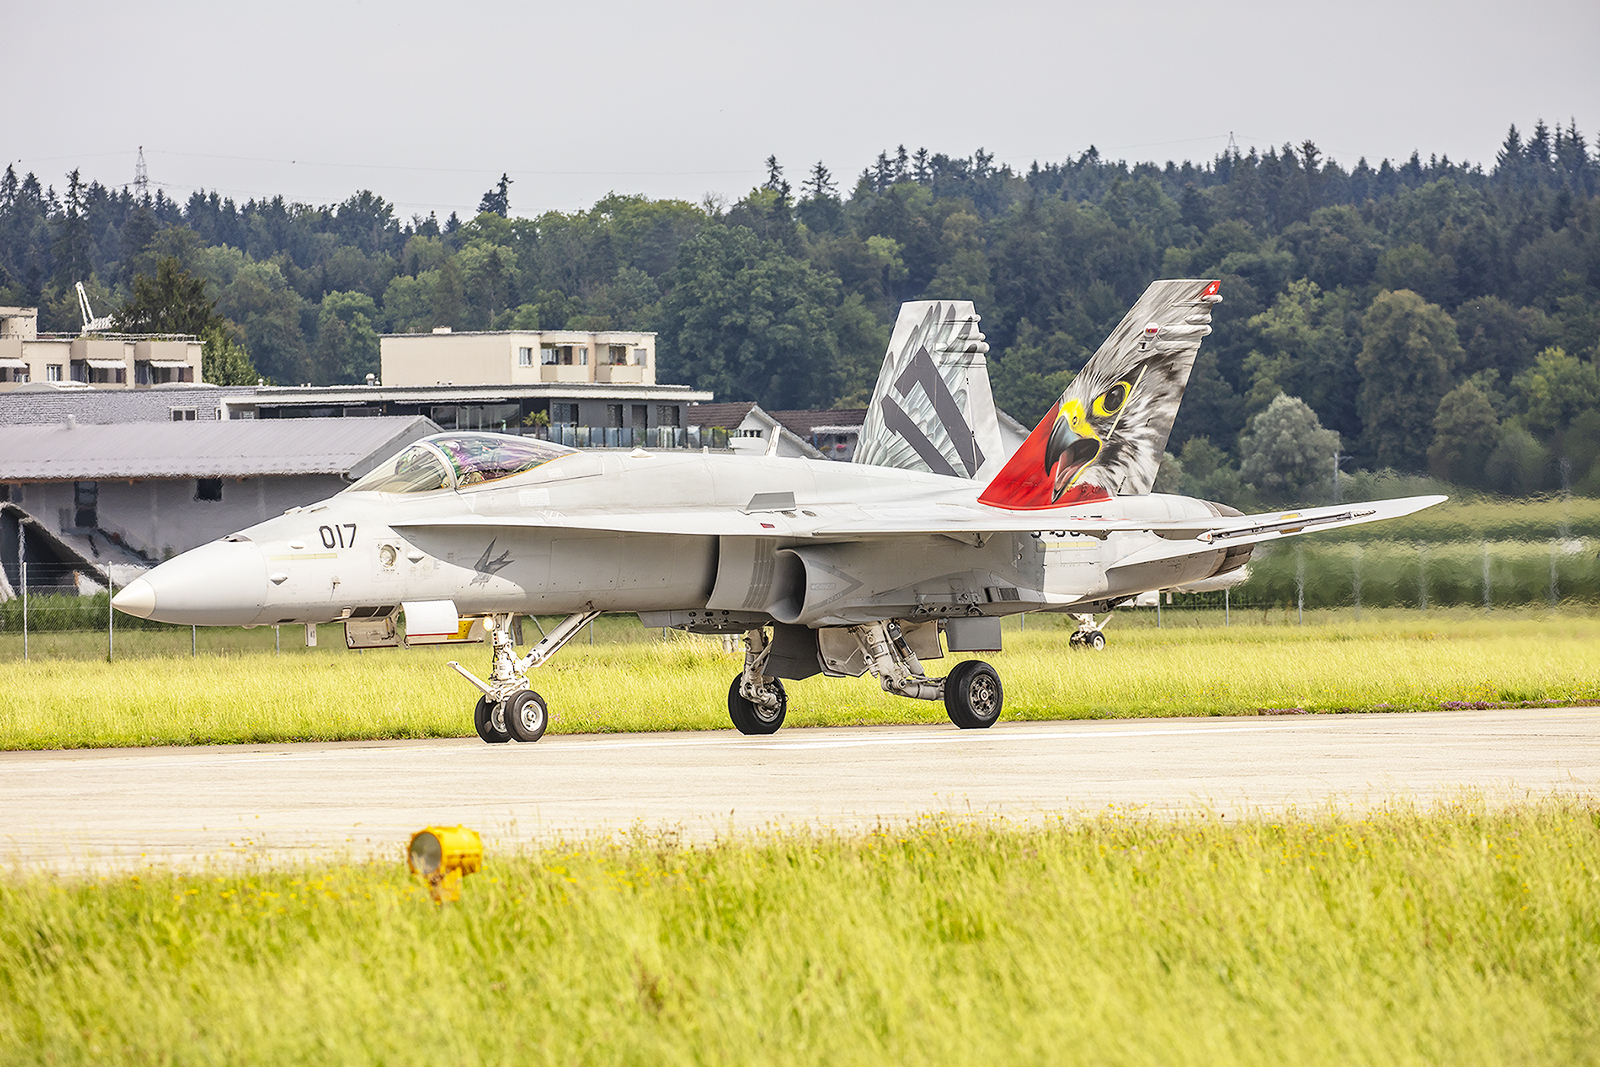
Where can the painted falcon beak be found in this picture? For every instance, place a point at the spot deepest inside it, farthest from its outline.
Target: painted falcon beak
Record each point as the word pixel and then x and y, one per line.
pixel 1073 445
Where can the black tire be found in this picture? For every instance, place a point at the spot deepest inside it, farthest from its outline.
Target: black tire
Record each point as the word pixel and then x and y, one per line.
pixel 751 718
pixel 1097 641
pixel 526 716
pixel 973 696
pixel 490 726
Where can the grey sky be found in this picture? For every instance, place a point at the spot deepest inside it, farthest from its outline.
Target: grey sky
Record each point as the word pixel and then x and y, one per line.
pixel 427 103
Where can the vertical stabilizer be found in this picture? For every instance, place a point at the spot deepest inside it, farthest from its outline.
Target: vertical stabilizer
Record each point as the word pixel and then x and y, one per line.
pixel 932 410
pixel 1106 435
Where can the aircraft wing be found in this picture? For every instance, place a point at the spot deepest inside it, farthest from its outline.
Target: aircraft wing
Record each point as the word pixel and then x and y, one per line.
pixel 1256 529
pixel 848 521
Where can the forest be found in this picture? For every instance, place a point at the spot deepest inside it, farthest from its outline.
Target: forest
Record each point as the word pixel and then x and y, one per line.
pixel 1421 317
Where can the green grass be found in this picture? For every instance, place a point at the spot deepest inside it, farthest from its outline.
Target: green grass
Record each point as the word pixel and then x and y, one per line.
pixel 1387 660
pixel 1453 936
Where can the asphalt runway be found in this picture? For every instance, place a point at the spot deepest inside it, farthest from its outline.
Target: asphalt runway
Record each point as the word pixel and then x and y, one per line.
pixel 112 809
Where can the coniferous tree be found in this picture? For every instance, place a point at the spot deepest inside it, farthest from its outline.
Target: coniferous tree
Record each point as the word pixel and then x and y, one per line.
pixel 497 201
pixel 174 301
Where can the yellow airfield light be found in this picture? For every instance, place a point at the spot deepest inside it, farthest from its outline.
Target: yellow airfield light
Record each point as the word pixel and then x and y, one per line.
pixel 442 856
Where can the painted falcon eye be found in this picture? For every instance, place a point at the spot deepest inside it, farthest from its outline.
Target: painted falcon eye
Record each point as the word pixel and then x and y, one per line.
pixel 1110 402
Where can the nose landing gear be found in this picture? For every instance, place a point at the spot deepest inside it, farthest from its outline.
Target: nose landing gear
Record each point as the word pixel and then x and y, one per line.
pixel 509 708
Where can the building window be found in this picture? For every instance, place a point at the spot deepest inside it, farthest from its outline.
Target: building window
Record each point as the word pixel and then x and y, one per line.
pixel 208 489
pixel 183 414
pixel 524 357
pixel 85 504
pixel 614 416
pixel 641 357
pixel 564 414
pixel 52 372
pixel 666 414
pixel 548 356
pixel 617 355
pixel 583 356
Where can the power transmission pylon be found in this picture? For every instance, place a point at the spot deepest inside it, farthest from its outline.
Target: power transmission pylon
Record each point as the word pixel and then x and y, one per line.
pixel 141 179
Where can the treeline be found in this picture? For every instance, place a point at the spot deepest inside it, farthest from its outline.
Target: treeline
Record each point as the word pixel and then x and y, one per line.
pixel 1433 315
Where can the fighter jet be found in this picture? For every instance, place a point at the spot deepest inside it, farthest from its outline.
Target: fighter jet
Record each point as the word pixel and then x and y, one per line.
pixel 917 548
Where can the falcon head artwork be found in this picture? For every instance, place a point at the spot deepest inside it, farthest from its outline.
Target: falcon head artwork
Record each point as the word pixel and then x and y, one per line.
pixel 1106 434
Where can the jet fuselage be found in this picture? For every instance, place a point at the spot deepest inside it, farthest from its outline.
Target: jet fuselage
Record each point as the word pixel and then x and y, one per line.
pixel 660 532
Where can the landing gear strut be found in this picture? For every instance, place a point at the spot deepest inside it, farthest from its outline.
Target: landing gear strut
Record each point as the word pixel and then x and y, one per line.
pixel 509 708
pixel 972 694
pixel 757 702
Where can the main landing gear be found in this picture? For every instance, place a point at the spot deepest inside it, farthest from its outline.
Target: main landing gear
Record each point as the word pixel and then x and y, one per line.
pixel 509 708
pixel 972 694
pixel 757 702
pixel 1089 634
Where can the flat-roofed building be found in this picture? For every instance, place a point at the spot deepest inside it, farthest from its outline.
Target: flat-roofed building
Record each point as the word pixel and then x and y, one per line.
pixel 97 360
pixel 517 357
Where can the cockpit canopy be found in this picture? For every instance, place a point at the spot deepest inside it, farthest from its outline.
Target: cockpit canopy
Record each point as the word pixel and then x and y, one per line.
pixel 457 460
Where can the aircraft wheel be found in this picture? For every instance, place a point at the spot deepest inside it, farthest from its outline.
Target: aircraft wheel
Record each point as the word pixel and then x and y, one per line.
pixel 490 721
pixel 1097 641
pixel 973 696
pixel 527 716
pixel 752 718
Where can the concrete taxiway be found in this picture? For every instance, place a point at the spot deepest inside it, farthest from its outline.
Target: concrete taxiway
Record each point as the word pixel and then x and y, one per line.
pixel 119 808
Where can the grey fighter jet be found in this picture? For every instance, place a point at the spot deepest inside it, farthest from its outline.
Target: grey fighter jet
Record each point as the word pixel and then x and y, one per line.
pixel 920 546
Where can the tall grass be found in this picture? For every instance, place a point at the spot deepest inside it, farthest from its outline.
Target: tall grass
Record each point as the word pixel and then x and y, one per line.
pixel 1397 660
pixel 1455 936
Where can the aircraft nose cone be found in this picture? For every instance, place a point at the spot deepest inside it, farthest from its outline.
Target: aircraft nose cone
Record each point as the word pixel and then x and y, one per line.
pixel 137 599
pixel 220 584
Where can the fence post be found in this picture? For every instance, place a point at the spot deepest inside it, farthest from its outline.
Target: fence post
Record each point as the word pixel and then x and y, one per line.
pixel 277 641
pixel 22 560
pixel 111 626
pixel 194 641
pixel 1555 583
pixel 1487 587
pixel 1355 579
pixel 1300 584
pixel 1227 606
pixel 1422 576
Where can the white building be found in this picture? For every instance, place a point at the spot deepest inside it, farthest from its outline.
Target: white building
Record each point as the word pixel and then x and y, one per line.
pixel 99 360
pixel 517 357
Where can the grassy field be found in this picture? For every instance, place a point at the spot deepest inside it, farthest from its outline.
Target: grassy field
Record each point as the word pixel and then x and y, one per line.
pixel 1193 666
pixel 1453 936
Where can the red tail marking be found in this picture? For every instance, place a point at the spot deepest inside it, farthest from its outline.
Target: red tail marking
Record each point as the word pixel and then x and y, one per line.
pixel 1025 485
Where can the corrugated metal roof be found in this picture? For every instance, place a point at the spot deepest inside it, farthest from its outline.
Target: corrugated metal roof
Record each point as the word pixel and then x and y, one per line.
pixel 232 449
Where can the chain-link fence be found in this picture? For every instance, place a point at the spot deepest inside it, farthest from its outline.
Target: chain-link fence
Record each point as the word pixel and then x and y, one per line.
pixel 66 611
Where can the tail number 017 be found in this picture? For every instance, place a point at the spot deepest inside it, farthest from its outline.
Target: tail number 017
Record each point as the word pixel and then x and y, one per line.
pixel 334 536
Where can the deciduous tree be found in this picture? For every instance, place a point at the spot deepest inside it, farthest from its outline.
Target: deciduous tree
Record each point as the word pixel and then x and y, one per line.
pixel 1287 455
pixel 1406 363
